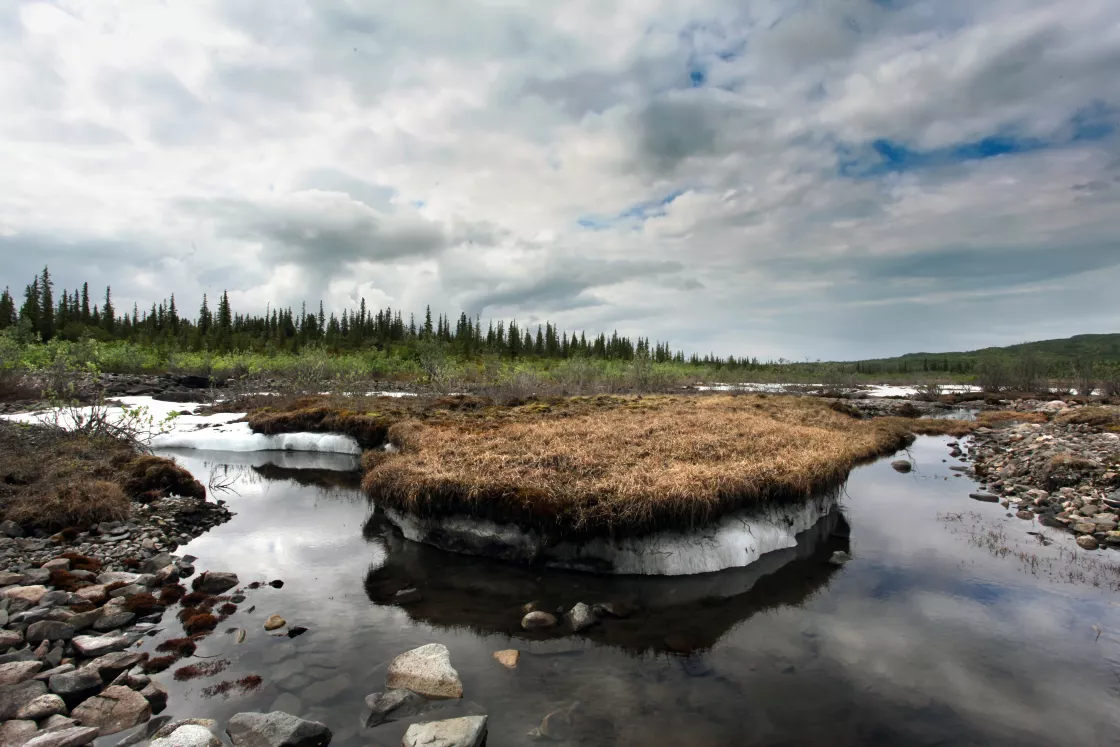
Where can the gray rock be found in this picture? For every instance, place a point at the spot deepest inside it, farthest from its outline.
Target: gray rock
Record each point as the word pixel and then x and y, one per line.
pixel 839 558
pixel 113 620
pixel 276 729
pixel 391 706
pixel 155 693
pixel 77 685
pixel 14 697
pixel 57 722
pixel 984 497
pixel 75 736
pixel 23 654
pixel 17 732
pixel 61 669
pixel 1086 542
pixel 90 646
pixel 110 665
pixel 10 529
pixel 466 731
pixel 214 582
pixel 42 707
pixel 9 638
pixel 556 725
pixel 902 465
pixel 581 617
pixel 85 620
pixel 321 692
pixel 115 709
pixel 127 591
pixel 31 593
pixel 113 577
pixel 426 670
pixel 49 630
pixel 59 598
pixel 188 735
pixel 538 620
pixel 8 578
pixel 18 671
pixel 156 563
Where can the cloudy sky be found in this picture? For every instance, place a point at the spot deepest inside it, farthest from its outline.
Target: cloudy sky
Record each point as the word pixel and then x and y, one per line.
pixel 832 179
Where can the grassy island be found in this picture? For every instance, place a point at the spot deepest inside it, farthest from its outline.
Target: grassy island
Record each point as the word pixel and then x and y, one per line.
pixel 596 466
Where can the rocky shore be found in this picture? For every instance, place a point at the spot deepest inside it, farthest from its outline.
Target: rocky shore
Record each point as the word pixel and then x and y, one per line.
pixel 1063 472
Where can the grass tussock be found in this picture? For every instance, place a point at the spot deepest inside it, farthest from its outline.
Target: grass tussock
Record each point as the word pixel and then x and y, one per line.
pixel 60 481
pixel 203 622
pixel 143 604
pixel 991 418
pixel 184 647
pixel 171 593
pixel 609 465
pixel 1098 417
pixel 369 429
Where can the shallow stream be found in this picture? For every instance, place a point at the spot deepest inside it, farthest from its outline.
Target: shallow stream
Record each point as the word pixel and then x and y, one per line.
pixel 951 625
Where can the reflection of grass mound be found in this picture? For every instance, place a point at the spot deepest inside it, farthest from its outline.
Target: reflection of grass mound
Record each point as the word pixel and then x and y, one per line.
pixel 487 596
pixel 626 465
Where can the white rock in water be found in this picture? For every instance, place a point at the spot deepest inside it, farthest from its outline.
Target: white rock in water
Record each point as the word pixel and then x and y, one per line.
pixel 467 731
pixel 581 616
pixel 189 735
pixel 426 671
pixel 276 729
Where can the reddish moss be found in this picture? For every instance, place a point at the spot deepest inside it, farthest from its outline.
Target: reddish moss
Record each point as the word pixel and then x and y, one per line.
pixel 227 609
pixel 222 688
pixel 201 669
pixel 198 599
pixel 159 663
pixel 151 476
pixel 143 604
pixel 182 646
pixel 203 622
pixel 79 562
pixel 249 683
pixel 188 612
pixel 171 594
pixel 66 581
pixel 132 563
pixel 116 585
pixel 81 607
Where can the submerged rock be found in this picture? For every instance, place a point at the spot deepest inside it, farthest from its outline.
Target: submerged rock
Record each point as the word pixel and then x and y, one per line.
pixel 214 582
pixel 538 621
pixel 426 670
pixel 984 497
pixel 392 706
pixel 581 617
pixel 507 658
pixel 276 729
pixel 902 465
pixel 467 731
pixel 274 622
pixel 188 735
pixel 839 558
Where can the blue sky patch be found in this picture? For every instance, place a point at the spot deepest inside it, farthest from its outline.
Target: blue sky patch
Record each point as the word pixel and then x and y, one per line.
pixel 640 211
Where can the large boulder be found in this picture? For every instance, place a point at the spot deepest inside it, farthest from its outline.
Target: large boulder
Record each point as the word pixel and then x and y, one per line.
pixel 17 731
pixel 117 708
pixel 188 735
pixel 42 707
pixel 76 686
pixel 276 729
pixel 466 731
pixel 30 594
pixel 426 670
pixel 49 630
pixel 18 671
pixel 92 645
pixel 14 697
pixel 214 582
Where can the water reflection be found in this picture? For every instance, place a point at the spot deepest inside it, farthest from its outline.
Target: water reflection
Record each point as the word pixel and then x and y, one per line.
pixel 664 613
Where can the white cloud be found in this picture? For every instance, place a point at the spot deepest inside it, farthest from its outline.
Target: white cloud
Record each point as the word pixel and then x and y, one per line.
pixel 704 173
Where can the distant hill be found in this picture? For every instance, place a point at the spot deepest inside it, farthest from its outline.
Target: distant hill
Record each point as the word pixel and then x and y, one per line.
pixel 1100 348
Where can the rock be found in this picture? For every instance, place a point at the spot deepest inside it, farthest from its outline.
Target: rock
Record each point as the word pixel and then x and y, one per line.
pixel 84 620
pixel 113 620
pixel 62 669
pixel 321 692
pixel 11 529
pixel 95 594
pixel 507 658
pixel 9 638
pixel 115 577
pixel 90 646
pixel 276 729
pixel 41 707
pixel 214 582
pixel 30 594
pixel 77 685
pixel 127 591
pixel 156 563
pixel 466 731
pixel 75 736
pixel 49 630
pixel 274 622
pixel 556 725
pixel 8 578
pixel 110 665
pixel 18 671
pixel 1024 515
pixel 839 557
pixel 38 576
pixel 288 703
pixel 17 732
pixel 296 630
pixel 115 709
pixel 902 465
pixel 407 596
pixel 538 621
pixel 1086 542
pixel 14 697
pixel 581 617
pixel 426 670
pixel 1084 527
pixel 169 728
pixel 57 564
pixel 392 706
pixel 984 497
pixel 188 735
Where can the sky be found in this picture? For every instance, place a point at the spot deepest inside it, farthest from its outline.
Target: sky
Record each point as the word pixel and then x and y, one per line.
pixel 805 180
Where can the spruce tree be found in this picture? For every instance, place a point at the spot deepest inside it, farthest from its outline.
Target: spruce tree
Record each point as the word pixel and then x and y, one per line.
pixel 87 318
pixel 204 318
pixel 29 314
pixel 46 306
pixel 108 315
pixel 7 309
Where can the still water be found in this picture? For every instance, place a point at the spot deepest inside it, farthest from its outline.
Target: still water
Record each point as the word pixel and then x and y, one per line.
pixel 934 634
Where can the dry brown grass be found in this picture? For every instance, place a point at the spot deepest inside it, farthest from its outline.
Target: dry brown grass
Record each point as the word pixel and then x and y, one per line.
pixel 54 480
pixel 1096 416
pixel 1001 417
pixel 610 465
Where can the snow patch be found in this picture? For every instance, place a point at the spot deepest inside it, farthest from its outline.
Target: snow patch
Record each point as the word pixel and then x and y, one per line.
pixel 735 541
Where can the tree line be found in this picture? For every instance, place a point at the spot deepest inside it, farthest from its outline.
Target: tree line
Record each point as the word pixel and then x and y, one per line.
pixel 75 316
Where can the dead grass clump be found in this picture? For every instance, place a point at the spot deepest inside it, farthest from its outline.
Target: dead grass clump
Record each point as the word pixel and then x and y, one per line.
pixel 80 562
pixel 595 466
pixel 1072 463
pixel 203 622
pixel 171 593
pixel 369 429
pixel 182 646
pixel 78 503
pixel 1098 417
pixel 1000 417
pixel 143 604
pixel 149 477
pixel 156 664
pixel 202 669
